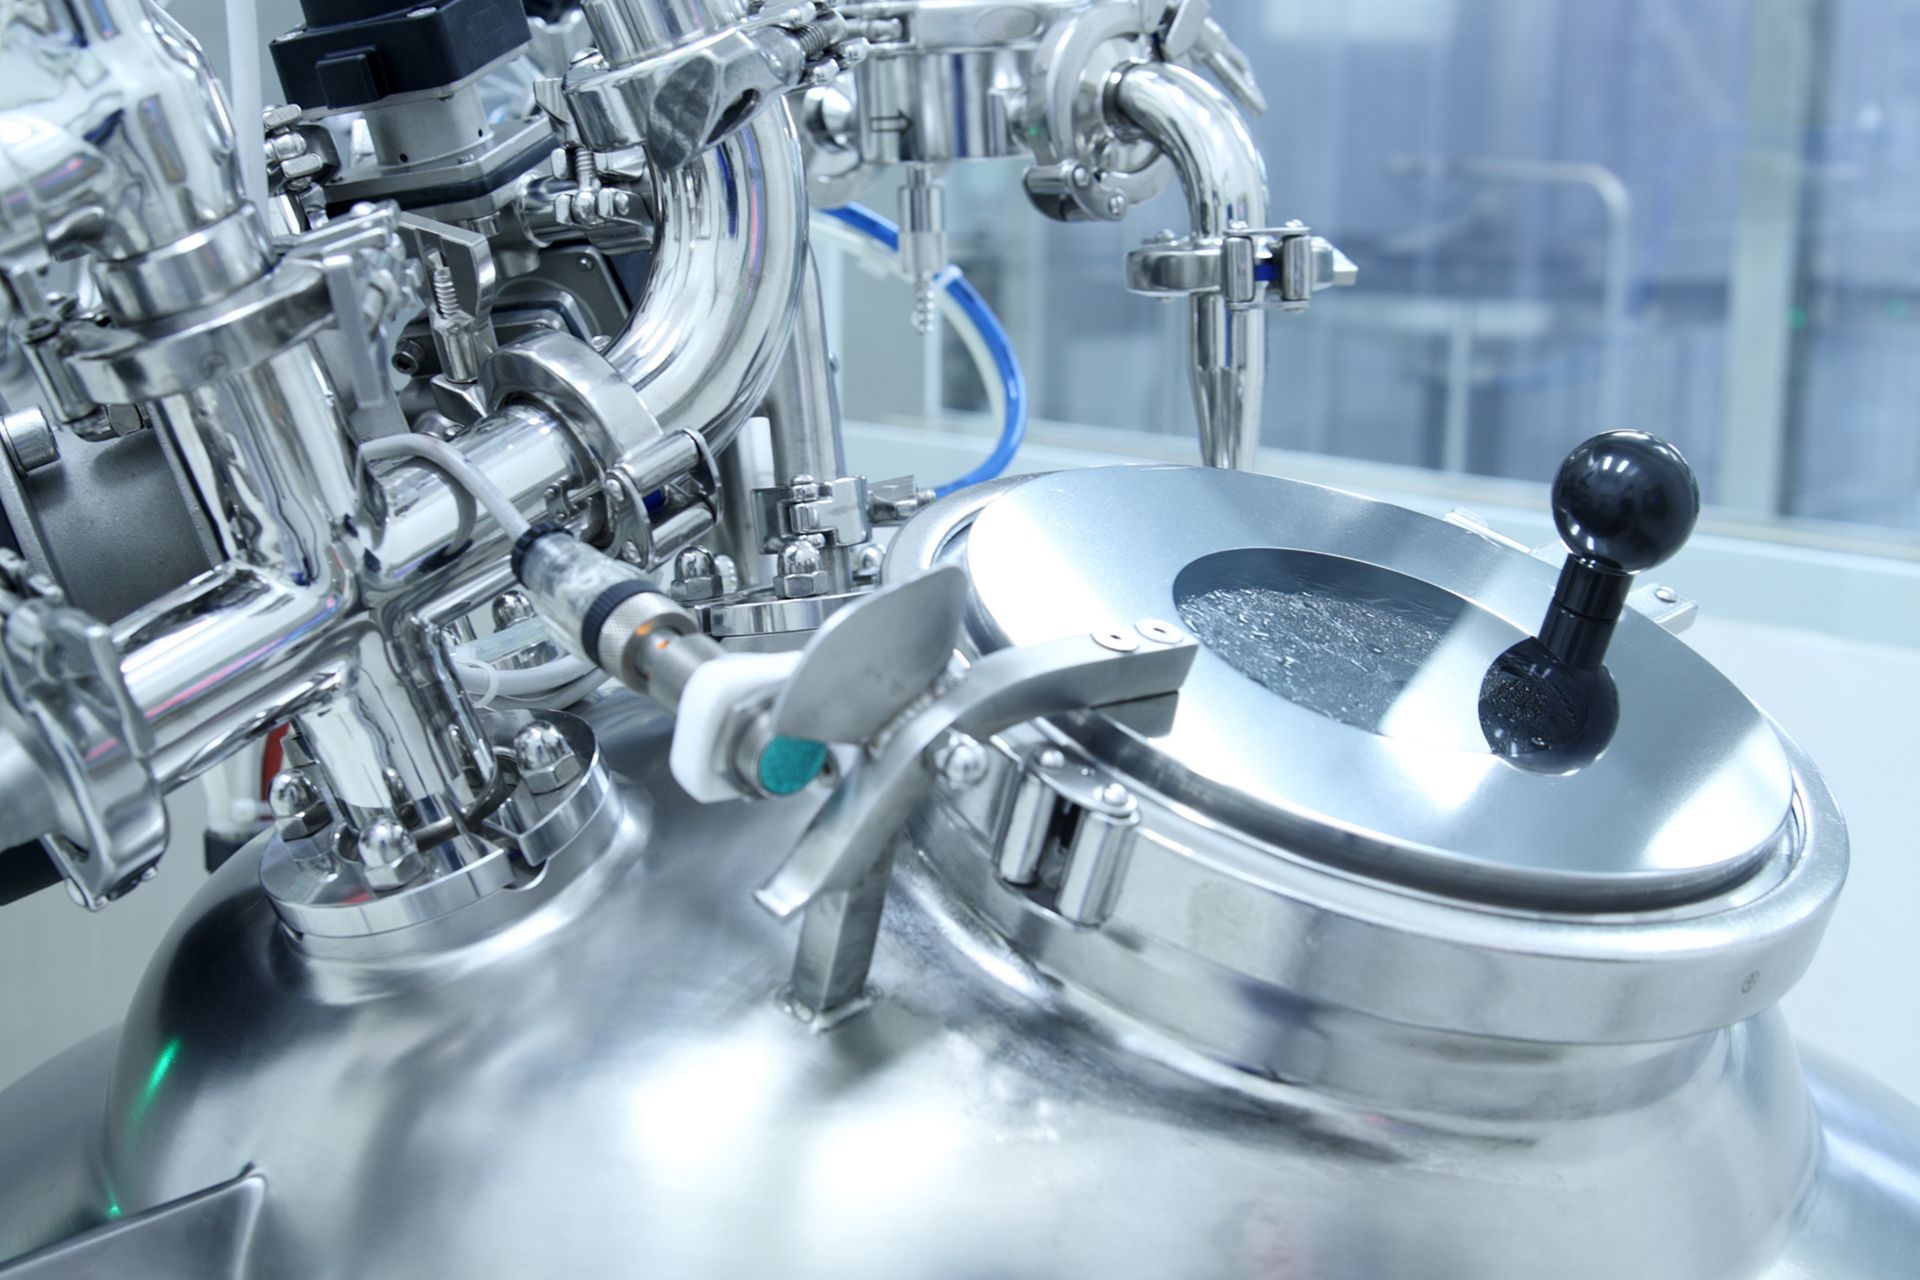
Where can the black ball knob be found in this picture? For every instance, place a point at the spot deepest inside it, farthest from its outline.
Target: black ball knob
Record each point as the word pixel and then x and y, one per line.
pixel 1624 501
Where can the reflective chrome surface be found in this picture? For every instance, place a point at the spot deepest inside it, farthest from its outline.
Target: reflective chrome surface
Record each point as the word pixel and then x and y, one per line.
pixel 1225 180
pixel 715 319
pixel 1692 793
pixel 610 1064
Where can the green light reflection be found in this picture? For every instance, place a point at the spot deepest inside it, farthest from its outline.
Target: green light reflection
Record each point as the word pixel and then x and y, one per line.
pixel 169 1053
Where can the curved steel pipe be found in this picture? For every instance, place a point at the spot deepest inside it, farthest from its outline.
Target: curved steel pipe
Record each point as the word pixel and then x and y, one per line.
pixel 1225 179
pixel 118 141
pixel 704 343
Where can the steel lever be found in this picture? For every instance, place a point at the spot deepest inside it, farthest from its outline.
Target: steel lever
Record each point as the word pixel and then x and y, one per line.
pixel 838 872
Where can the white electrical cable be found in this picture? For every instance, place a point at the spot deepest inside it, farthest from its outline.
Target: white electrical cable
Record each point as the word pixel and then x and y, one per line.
pixel 488 682
pixel 448 460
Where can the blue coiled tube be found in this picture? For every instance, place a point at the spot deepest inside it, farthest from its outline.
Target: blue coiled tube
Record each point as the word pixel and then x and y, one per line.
pixel 1013 379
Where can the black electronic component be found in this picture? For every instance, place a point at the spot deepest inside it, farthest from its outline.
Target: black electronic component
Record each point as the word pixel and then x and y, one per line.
pixel 353 53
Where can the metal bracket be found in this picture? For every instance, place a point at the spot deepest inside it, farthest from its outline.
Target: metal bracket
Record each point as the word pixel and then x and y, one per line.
pixel 839 871
pixel 1067 829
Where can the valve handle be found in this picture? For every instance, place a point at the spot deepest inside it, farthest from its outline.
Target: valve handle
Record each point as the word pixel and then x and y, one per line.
pixel 1624 502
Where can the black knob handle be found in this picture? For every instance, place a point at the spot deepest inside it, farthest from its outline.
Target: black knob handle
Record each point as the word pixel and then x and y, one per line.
pixel 1624 502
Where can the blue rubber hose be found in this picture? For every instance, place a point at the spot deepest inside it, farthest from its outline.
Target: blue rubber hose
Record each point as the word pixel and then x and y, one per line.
pixel 980 316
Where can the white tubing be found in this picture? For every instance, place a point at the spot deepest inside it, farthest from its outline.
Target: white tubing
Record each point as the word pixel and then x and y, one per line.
pixel 448 460
pixel 487 682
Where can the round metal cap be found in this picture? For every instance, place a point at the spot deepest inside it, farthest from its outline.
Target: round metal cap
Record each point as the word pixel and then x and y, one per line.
pixel 1362 673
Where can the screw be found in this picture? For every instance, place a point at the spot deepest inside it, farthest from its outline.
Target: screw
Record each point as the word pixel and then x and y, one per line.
pixel 696 576
pixel 1082 176
pixel 1113 794
pixel 446 295
pixel 961 762
pixel 1116 204
pixel 1051 758
pixel 547 760
pixel 1666 595
pixel 407 357
pixel 800 568
pixel 1118 641
pixel 388 856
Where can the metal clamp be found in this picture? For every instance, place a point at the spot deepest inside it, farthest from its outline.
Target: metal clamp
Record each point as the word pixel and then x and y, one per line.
pixel 836 510
pixel 1067 831
pixel 838 873
pixel 1084 170
pixel 59 666
pixel 1278 268
pixel 678 102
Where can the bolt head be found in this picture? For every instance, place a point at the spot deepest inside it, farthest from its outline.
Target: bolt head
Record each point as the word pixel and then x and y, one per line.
pixel 547 760
pixel 961 762
pixel 510 607
pixel 1116 204
pixel 388 856
pixel 298 808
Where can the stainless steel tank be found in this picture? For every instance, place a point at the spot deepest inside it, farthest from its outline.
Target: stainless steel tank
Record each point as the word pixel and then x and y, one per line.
pixel 1298 975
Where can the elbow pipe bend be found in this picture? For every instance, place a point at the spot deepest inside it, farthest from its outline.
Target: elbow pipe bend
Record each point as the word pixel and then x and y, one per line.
pixel 1225 181
pixel 705 342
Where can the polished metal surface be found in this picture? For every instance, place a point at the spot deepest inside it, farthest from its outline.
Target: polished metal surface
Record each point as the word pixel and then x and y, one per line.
pixel 1165 908
pixel 610 1063
pixel 714 321
pixel 1693 793
pixel 203 1236
pixel 1225 179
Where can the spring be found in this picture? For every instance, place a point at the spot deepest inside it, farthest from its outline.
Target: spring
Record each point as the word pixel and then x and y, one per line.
pixel 446 298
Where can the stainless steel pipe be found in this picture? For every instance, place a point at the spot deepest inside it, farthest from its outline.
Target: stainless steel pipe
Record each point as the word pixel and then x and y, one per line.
pixel 1225 180
pixel 718 311
pixel 802 406
pixel 118 172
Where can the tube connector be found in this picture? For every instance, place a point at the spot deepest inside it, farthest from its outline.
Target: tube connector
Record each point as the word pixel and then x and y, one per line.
pixel 611 614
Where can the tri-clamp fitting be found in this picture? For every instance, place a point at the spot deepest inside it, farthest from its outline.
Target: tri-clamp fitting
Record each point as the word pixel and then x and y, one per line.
pixel 1279 268
pixel 674 77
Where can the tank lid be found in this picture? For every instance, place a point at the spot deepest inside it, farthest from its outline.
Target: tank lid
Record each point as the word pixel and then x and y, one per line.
pixel 1365 696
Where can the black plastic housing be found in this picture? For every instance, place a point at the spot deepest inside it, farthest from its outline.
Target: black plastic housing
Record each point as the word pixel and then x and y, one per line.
pixel 353 53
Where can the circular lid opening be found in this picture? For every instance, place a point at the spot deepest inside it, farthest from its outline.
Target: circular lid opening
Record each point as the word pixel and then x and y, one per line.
pixel 1366 694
